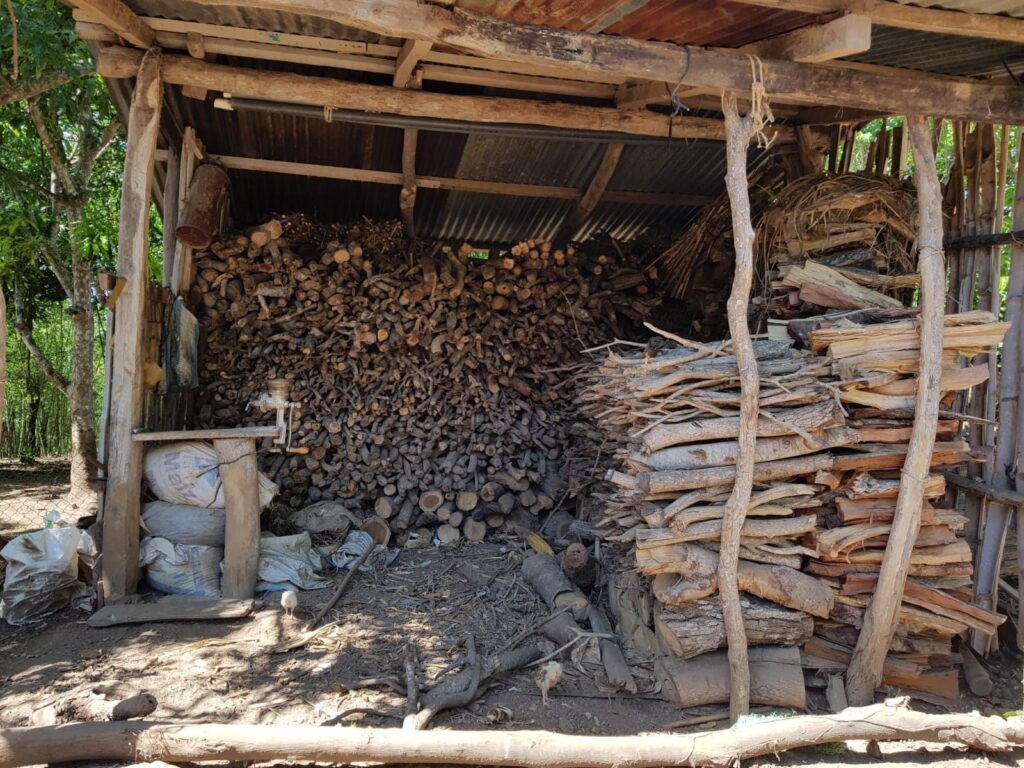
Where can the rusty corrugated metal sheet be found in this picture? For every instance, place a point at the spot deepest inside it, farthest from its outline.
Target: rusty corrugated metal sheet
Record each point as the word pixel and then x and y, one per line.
pixel 943 54
pixel 697 22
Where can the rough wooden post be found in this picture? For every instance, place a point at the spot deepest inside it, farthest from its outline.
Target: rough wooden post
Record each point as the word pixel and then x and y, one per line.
pixel 240 479
pixel 407 197
pixel 120 565
pixel 3 360
pixel 865 671
pixel 591 197
pixel 738 133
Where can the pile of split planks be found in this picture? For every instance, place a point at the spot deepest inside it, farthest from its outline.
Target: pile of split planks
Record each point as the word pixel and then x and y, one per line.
pixel 435 388
pixel 834 421
pixel 844 243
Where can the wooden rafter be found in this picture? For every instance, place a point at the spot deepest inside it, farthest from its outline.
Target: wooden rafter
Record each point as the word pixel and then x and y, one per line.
pixel 614 13
pixel 343 173
pixel 581 53
pixel 119 19
pixel 319 91
pixel 892 14
pixel 410 55
pixel 588 202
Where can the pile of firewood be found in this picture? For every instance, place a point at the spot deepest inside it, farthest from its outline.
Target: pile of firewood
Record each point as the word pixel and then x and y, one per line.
pixel 832 436
pixel 847 242
pixel 436 389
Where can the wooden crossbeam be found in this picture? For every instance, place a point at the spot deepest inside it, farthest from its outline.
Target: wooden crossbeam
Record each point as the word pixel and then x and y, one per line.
pixel 378 59
pixel 410 55
pixel 588 202
pixel 892 14
pixel 119 19
pixel 813 44
pixel 319 91
pixel 343 173
pixel 582 53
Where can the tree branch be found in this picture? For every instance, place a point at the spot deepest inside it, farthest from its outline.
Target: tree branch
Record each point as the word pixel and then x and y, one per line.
pixel 91 154
pixel 41 359
pixel 60 166
pixel 60 271
pixel 30 89
pixel 16 178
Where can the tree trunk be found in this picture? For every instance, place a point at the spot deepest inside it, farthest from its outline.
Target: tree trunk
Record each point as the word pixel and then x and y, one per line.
pixel 3 360
pixel 133 741
pixel 880 619
pixel 738 133
pixel 80 391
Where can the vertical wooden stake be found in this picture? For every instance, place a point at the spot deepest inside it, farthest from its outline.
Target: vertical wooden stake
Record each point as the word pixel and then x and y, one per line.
pixel 120 565
pixel 407 197
pixel 591 197
pixel 171 179
pixel 3 360
pixel 738 133
pixel 240 479
pixel 865 671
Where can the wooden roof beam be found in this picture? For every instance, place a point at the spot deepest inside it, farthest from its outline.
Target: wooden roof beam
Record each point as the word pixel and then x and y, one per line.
pixel 477 186
pixel 580 53
pixel 814 44
pixel 892 14
pixel 321 91
pixel 119 19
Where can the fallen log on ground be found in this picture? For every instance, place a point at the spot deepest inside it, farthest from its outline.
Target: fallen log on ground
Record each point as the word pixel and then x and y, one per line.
pixel 141 740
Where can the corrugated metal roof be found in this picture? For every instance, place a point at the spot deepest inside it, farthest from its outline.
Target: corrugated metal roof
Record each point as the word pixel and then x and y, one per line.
pixel 944 54
pixel 1007 7
pixel 698 22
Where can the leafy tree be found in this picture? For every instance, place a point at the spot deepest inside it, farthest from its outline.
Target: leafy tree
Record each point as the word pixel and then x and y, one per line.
pixel 60 160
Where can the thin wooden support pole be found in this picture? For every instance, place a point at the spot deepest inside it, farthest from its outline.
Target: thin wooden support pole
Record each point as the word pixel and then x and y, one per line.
pixel 120 564
pixel 3 360
pixel 407 197
pixel 876 634
pixel 738 133
pixel 590 199
pixel 1009 446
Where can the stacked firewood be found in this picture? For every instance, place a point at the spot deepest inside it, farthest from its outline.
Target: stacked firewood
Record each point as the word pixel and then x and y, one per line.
pixel 835 419
pixel 843 243
pixel 438 393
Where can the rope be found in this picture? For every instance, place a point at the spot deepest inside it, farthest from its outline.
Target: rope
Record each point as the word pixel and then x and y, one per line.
pixel 760 110
pixel 328 113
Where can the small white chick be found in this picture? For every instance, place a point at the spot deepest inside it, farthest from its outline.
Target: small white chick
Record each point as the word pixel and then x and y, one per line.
pixel 289 601
pixel 547 677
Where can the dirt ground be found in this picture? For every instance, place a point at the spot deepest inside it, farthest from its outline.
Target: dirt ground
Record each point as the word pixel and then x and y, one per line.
pixel 224 671
pixel 30 489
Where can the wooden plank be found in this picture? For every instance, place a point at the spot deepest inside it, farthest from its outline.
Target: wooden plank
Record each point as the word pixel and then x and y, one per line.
pixel 595 190
pixel 979 488
pixel 893 14
pixel 410 55
pixel 584 53
pixel 170 212
pixel 317 91
pixel 407 197
pixel 182 265
pixel 172 608
pixel 240 478
pixel 221 433
pixel 124 465
pixel 442 182
pixel 834 39
pixel 120 19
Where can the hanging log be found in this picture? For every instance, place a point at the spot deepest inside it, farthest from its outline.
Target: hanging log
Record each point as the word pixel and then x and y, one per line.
pixel 865 672
pixel 200 218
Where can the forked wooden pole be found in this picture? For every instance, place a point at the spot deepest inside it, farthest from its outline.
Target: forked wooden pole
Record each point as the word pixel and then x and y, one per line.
pixel 135 741
pixel 738 133
pixel 876 634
